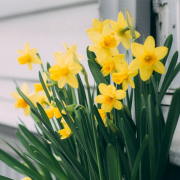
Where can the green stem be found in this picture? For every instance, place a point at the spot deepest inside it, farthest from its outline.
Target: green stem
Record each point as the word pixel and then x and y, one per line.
pixel 93 123
pixel 65 95
pixel 42 67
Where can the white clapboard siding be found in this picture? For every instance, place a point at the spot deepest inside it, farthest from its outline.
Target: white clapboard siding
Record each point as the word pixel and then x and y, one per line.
pixel 46 31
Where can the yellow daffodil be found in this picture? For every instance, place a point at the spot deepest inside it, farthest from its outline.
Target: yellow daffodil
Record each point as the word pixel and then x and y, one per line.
pixel 72 52
pixel 53 111
pixel 97 25
pixel 28 56
pixel 112 64
pixel 120 28
pixel 64 71
pixel 124 75
pixel 42 99
pixel 104 44
pixel 26 178
pixel 148 58
pixel 21 103
pixel 66 132
pixel 103 116
pixel 109 97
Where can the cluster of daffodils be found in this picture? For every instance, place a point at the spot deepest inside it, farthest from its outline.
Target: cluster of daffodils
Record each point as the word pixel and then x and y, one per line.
pixel 105 36
pixel 64 71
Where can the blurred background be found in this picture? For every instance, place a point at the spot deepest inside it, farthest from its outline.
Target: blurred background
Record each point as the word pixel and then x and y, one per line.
pixel 47 24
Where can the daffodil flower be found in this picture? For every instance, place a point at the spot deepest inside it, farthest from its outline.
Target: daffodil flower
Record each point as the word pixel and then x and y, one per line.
pixel 21 103
pixel 98 25
pixel 148 58
pixel 112 64
pixel 66 132
pixel 104 44
pixel 28 56
pixel 124 75
pixel 53 111
pixel 71 51
pixel 64 70
pixel 109 97
pixel 120 28
pixel 103 116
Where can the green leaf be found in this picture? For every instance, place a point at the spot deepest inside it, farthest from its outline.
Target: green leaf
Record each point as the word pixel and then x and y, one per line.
pixel 131 143
pixel 95 71
pixel 44 115
pixel 139 157
pixel 101 125
pixel 44 87
pixel 4 178
pixel 172 119
pixel 81 92
pixel 12 162
pixel 112 162
pixel 168 82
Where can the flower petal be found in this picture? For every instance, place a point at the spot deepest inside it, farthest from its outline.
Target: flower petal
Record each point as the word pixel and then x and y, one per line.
pixel 113 25
pixel 94 48
pixel 106 107
pixel 145 72
pixel 135 64
pixel 62 82
pixel 95 37
pixel 27 110
pixel 71 80
pixel 120 94
pixel 137 50
pixel 99 99
pixel 160 52
pixel 15 95
pixel 25 89
pixel 120 20
pixel 74 68
pixel 35 60
pixel 20 52
pixel 117 105
pixel 132 73
pixel 103 88
pixel 59 58
pixel 149 44
pixel 26 48
pixel 33 52
pixel 126 42
pixel 73 48
pixel 131 82
pixel 111 88
pixel 96 24
pixel 125 85
pixel 159 67
pixel 114 51
pixel 106 30
pixel 29 65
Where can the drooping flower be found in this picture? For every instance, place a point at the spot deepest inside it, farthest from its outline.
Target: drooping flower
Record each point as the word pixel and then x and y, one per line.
pixel 26 178
pixel 124 75
pixel 66 132
pixel 28 56
pixel 21 103
pixel 103 116
pixel 53 111
pixel 148 58
pixel 64 70
pixel 120 28
pixel 104 44
pixel 71 51
pixel 112 64
pixel 98 25
pixel 109 97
